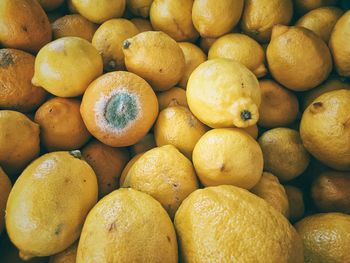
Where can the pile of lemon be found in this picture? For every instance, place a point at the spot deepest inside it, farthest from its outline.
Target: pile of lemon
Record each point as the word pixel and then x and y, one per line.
pixel 175 131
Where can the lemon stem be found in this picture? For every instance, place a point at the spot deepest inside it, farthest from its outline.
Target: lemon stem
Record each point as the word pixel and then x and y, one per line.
pixel 246 115
pixel 126 44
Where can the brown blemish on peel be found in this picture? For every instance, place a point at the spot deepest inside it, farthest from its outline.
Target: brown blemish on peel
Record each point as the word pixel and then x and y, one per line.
pixel 6 59
pixel 59 229
pixel 316 107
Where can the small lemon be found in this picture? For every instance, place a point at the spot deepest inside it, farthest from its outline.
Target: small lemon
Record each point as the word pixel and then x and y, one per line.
pixel 296 202
pixel 5 189
pixel 172 97
pixel 139 7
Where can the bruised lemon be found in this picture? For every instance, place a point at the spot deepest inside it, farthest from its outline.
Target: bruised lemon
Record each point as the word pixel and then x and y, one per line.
pixel 24 25
pixel 214 19
pixel 119 108
pixel 325 129
pixel 224 93
pixel 156 57
pixel 66 256
pixel 99 11
pixel 16 71
pixel 65 67
pixel 338 44
pixel 304 6
pixel 174 18
pixel 228 156
pixel 108 40
pixel 297 51
pixel 332 83
pixel 240 48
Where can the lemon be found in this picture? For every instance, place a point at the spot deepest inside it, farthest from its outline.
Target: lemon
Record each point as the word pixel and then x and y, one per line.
pixel 139 7
pixel 259 17
pixel 325 237
pixel 194 56
pixel 5 188
pixel 128 167
pixel 228 156
pixel 325 129
pixel 41 219
pixel 279 145
pixel 304 6
pixel 214 19
pixel 172 97
pixel 295 201
pixel 146 143
pixel 99 11
pixel 229 224
pixel 321 21
pixel 338 44
pixel 66 256
pixel 164 173
pixel 177 126
pixel 127 226
pixel 270 189
pixel 240 48
pixel 119 108
pixel 279 106
pixel 224 93
pixel 65 67
pixel 19 141
pixel 156 57
pixel 329 192
pixel 297 51
pixel 333 83
pixel 174 18
pixel 142 24
pixel 107 163
pixel 73 26
pixel 108 40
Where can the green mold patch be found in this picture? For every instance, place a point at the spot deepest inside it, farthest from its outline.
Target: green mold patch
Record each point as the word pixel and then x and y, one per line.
pixel 121 109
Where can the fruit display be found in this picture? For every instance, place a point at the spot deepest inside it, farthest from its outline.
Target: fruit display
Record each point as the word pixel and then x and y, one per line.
pixel 161 131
